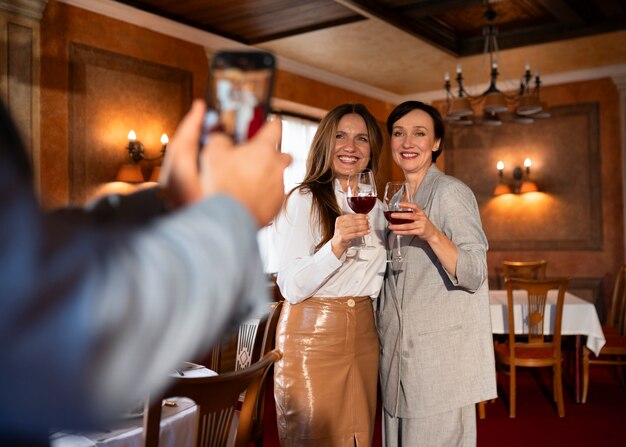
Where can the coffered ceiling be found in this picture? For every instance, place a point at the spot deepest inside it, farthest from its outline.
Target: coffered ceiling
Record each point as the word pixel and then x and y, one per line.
pixel 403 47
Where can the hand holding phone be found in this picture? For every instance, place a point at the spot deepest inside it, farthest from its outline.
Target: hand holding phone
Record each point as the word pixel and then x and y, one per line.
pixel 239 92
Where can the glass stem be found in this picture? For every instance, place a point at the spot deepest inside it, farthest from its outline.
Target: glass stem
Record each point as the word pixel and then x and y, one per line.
pixel 362 243
pixel 398 252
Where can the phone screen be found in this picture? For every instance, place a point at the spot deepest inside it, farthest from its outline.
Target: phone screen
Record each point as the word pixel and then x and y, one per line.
pixel 239 93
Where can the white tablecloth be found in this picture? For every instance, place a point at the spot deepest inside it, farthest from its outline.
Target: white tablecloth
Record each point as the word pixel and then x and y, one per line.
pixel 177 426
pixel 579 316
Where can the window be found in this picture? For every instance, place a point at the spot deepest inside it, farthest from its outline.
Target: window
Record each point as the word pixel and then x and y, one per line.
pixel 296 141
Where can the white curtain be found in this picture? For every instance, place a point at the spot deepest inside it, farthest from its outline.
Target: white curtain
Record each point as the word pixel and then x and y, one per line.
pixel 297 137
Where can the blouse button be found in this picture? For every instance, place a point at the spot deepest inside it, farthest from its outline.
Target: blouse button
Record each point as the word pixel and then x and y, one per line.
pixel 351 302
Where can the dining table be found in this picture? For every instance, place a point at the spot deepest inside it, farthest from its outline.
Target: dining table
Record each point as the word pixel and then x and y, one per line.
pixel 178 419
pixel 580 319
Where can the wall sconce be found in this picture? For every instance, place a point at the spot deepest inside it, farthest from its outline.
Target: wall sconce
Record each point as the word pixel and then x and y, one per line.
pixel 131 172
pixel 518 185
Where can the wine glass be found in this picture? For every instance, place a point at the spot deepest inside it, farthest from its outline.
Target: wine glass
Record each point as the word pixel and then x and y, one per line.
pixel 396 192
pixel 362 196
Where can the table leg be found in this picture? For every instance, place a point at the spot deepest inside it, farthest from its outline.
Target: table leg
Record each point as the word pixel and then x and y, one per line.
pixel 577 368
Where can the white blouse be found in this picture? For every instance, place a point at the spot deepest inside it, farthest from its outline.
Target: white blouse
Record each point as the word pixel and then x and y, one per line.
pixel 303 273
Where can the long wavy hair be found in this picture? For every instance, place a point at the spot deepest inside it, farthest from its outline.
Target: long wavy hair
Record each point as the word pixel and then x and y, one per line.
pixel 319 177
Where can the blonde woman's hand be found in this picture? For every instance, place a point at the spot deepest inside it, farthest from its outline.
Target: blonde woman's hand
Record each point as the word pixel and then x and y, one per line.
pixel 348 227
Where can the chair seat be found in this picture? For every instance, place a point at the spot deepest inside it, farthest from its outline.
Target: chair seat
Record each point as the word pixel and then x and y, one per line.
pixel 614 342
pixel 610 331
pixel 502 351
pixel 613 346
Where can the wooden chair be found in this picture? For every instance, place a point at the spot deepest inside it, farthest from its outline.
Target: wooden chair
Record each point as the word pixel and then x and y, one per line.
pixel 269 343
pixel 520 270
pixel 533 349
pixel 216 398
pixel 614 351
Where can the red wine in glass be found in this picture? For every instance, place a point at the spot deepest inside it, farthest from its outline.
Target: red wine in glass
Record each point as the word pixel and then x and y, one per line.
pixel 361 196
pixel 395 220
pixel 396 193
pixel 361 204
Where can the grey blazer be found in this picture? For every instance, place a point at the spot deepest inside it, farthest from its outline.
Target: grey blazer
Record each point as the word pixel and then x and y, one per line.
pixel 435 329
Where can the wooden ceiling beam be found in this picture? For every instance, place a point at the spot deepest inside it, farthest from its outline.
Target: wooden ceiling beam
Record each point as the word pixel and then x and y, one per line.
pixel 562 11
pixel 538 35
pixel 306 29
pixel 423 29
pixel 433 7
pixel 610 8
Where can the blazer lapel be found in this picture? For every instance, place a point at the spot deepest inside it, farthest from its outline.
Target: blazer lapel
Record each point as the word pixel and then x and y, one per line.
pixel 423 197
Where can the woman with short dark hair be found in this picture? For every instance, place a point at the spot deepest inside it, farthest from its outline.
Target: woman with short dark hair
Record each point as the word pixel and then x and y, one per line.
pixel 434 323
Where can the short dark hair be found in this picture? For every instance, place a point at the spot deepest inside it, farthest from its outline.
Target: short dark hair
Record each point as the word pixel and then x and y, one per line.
pixel 408 106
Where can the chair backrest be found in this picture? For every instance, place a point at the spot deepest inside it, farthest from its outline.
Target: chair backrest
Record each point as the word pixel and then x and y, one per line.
pixel 269 342
pixel 216 398
pixel 537 291
pixel 618 305
pixel 524 269
pixel 248 342
pixel 269 334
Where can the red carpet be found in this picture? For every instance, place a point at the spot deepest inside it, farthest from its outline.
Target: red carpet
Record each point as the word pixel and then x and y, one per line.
pixel 600 422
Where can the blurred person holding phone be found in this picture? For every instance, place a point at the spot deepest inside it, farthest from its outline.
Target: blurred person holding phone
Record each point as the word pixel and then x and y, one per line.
pixel 325 383
pixel 98 307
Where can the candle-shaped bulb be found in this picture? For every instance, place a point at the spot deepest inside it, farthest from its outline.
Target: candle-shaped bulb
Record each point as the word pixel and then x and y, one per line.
pixel 494 65
pixel 131 141
pixel 527 67
pixel 527 165
pixel 458 68
pixel 446 77
pixel 500 165
pixel 164 141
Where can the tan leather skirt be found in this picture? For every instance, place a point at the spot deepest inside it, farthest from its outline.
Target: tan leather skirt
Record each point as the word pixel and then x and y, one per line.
pixel 325 384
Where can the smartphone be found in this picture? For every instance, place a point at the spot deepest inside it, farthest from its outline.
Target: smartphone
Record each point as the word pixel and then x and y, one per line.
pixel 238 94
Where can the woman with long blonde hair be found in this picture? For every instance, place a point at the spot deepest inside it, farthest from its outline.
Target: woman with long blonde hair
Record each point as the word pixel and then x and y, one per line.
pixel 325 384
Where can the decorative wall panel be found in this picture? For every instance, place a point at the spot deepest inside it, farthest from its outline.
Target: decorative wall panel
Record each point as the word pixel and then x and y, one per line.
pixel 564 149
pixel 110 94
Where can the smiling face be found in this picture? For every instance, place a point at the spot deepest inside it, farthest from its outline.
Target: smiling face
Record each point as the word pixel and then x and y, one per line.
pixel 352 148
pixel 413 141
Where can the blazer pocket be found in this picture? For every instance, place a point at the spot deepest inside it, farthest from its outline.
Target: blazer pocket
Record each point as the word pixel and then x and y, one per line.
pixel 455 327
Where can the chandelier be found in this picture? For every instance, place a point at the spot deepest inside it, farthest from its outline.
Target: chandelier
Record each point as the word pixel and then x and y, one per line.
pixel 523 106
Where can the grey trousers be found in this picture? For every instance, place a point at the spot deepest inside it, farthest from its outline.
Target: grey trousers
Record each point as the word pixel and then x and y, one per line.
pixel 450 429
